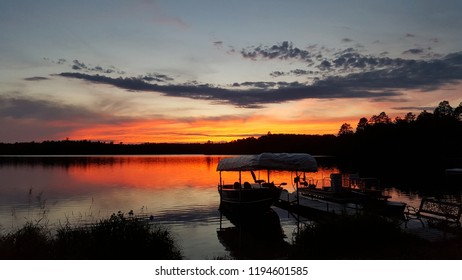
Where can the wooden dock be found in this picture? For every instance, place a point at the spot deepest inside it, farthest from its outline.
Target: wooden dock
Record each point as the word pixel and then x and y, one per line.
pixel 313 206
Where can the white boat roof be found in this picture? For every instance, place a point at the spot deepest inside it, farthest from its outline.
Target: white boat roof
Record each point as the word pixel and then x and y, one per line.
pixel 270 161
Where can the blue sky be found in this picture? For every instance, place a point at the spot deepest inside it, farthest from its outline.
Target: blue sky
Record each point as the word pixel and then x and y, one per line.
pixel 180 71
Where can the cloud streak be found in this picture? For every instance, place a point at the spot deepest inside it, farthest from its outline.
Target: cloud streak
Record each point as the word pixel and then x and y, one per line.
pixel 414 51
pixel 259 94
pixel 80 66
pixel 25 119
pixel 380 78
pixel 283 51
pixel 348 60
pixel 27 108
pixel 36 79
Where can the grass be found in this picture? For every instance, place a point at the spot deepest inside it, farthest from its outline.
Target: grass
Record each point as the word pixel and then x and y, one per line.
pixel 117 237
pixel 129 237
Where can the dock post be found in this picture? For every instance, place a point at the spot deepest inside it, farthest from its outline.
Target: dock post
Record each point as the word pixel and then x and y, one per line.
pixel 298 197
pixel 240 188
pixel 220 188
pixel 298 194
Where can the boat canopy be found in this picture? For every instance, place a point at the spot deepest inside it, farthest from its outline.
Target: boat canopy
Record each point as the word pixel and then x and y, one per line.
pixel 269 161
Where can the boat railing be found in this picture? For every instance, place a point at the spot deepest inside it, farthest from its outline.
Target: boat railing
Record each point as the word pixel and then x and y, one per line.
pixel 315 183
pixel 340 181
pixel 247 185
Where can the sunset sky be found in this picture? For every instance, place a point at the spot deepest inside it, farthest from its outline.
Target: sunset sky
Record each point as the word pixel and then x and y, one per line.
pixel 192 71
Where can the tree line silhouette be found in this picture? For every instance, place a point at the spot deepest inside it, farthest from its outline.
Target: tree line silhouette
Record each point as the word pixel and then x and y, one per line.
pixel 430 137
pixel 422 144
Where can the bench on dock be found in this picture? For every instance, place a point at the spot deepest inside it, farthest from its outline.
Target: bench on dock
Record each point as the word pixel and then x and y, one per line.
pixel 436 212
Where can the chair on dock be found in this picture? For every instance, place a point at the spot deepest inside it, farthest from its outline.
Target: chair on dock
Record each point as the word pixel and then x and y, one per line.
pixel 436 212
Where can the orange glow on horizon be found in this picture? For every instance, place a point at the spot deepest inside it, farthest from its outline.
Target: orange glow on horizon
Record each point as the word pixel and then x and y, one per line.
pixel 200 123
pixel 203 130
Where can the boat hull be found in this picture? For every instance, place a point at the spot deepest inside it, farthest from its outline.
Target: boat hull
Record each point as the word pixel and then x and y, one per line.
pixel 249 199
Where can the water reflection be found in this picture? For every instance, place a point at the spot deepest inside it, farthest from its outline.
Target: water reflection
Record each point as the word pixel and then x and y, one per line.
pixel 180 191
pixel 95 187
pixel 253 237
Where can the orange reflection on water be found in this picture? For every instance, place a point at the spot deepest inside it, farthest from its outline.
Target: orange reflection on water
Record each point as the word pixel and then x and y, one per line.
pixel 168 172
pixel 100 185
pixel 150 172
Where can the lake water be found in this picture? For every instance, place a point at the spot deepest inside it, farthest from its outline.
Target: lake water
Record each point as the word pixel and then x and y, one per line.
pixel 179 191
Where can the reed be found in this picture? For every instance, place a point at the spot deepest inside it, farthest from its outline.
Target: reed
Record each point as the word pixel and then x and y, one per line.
pixel 117 237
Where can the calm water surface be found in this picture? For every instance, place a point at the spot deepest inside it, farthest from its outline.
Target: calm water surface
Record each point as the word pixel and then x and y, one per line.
pixel 179 191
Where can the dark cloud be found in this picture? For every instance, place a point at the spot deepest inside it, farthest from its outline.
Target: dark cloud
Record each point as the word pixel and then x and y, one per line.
pixel 189 90
pixel 77 65
pixel 347 40
pixel 283 51
pixel 28 108
pixel 278 74
pixel 148 77
pixel 59 61
pixel 454 59
pixel 414 108
pixel 218 44
pixel 262 93
pixel 156 77
pixel 296 72
pixel 325 65
pixel 264 85
pixel 332 62
pixel 23 118
pixel 80 66
pixel 410 35
pixel 414 51
pixel 405 74
pixel 352 60
pixel 36 78
pixel 349 60
pixel 376 78
pixel 300 72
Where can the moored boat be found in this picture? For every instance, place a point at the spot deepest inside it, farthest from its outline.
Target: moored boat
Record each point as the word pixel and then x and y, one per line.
pixel 354 193
pixel 260 194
